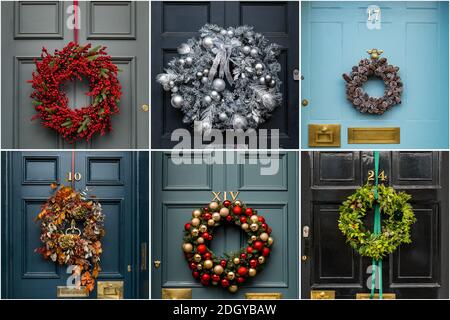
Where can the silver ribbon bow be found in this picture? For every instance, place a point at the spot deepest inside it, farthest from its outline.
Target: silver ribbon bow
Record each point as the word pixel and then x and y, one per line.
pixel 222 60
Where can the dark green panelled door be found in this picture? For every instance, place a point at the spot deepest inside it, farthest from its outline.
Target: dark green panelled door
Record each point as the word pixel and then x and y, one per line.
pixel 111 177
pixel 415 271
pixel 179 189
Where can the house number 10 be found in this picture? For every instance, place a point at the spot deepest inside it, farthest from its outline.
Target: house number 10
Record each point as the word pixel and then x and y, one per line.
pixel 76 176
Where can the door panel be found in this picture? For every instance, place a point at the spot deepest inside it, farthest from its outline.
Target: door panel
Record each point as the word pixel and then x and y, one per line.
pixel 417 270
pixel 335 37
pixel 175 22
pixel 189 186
pixel 122 26
pixel 109 179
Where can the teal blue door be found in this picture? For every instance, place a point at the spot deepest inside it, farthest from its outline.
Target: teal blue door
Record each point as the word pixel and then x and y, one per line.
pixel 179 189
pixel 111 179
pixel 414 37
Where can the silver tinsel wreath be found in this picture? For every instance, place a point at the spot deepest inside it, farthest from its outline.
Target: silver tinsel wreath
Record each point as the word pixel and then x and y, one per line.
pixel 226 78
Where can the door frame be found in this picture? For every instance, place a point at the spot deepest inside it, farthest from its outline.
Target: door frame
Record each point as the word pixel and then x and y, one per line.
pixel 139 277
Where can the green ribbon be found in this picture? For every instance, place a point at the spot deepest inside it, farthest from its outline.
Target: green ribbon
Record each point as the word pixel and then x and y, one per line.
pixel 377 264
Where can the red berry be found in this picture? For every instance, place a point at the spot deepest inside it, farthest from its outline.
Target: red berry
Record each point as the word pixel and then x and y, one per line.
pixel 195 274
pixel 224 283
pixel 216 278
pixel 243 256
pixel 201 249
pixel 242 271
pixel 237 210
pixel 243 219
pixel 227 203
pixel 265 252
pixel 249 211
pixel 223 263
pixel 249 250
pixel 258 245
pixel 240 280
pixel 187 226
pixel 253 263
pixel 261 219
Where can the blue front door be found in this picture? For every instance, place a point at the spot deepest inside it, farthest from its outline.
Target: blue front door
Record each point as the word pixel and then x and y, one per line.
pixel 414 37
pixel 26 185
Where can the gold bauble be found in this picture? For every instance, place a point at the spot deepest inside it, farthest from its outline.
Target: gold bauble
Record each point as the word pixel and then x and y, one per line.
pixel 254 227
pixel 200 240
pixel 187 247
pixel 213 205
pixel 253 238
pixel 199 267
pixel 214 283
pixel 254 218
pixel 261 259
pixel 197 257
pixel 224 212
pixel 244 226
pixel 233 288
pixel 264 236
pixel 230 275
pixel 208 264
pixel 218 270
pixel 216 216
pixel 238 203
pixel 236 260
pixel 203 228
pixel 252 272
pixel 194 232
pixel 195 222
pixel 270 241
pixel 211 222
pixel 196 213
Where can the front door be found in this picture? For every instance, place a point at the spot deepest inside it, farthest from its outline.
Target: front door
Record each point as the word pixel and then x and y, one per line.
pixel 179 189
pixel 414 37
pixel 26 186
pixel 416 270
pixel 121 26
pixel 175 22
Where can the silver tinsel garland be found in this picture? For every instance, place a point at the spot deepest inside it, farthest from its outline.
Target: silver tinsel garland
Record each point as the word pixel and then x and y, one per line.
pixel 226 78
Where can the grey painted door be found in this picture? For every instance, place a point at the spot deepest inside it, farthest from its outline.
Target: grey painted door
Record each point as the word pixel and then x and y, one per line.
pixel 112 179
pixel 179 189
pixel 28 26
pixel 175 22
pixel 415 271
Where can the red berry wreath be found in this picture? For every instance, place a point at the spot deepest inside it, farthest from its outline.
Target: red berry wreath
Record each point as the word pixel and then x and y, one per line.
pixel 233 269
pixel 52 104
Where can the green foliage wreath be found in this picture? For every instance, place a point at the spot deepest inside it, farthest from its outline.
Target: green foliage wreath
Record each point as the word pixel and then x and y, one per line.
pixel 397 218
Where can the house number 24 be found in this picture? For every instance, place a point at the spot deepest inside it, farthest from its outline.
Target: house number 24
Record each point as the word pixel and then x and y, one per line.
pixel 381 176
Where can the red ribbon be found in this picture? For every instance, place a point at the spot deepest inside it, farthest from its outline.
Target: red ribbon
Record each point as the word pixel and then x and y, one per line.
pixel 76 27
pixel 73 170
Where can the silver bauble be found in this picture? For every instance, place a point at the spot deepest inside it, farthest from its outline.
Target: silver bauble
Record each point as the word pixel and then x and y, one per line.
pixel 239 122
pixel 259 66
pixel 246 49
pixel 243 75
pixel 205 72
pixel 204 80
pixel 268 78
pixel 230 33
pixel 175 89
pixel 176 101
pixel 272 84
pixel 166 87
pixel 268 100
pixel 259 72
pixel 182 62
pixel 223 32
pixel 208 42
pixel 223 116
pixel 262 80
pixel 218 85
pixel 189 61
pixel 184 48
pixel 254 52
pixel 171 84
pixel 199 75
pixel 207 100
pixel 215 95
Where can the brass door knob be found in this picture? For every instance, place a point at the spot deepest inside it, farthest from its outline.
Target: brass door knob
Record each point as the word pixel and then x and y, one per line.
pixel 145 107
pixel 304 258
pixel 156 263
pixel 305 102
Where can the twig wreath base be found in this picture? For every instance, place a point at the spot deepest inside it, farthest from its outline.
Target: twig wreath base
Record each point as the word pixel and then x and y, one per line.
pixel 52 104
pixel 397 215
pixel 369 68
pixel 63 242
pixel 232 269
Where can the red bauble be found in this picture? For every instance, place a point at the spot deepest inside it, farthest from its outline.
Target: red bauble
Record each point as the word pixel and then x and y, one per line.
pixel 206 277
pixel 205 235
pixel 225 283
pixel 227 203
pixel 243 219
pixel 249 211
pixel 242 271
pixel 207 216
pixel 187 226
pixel 229 218
pixel 193 265
pixel 261 219
pixel 195 274
pixel 201 249
pixel 269 230
pixel 258 245
pixel 223 263
pixel 253 263
pixel 205 209
pixel 266 252
pixel 240 280
pixel 243 256
pixel 215 277
pixel 207 256
pixel 264 226
pixel 237 210
pixel 249 250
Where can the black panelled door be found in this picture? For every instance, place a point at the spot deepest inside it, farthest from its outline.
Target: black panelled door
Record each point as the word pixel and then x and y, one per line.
pixel 175 22
pixel 416 270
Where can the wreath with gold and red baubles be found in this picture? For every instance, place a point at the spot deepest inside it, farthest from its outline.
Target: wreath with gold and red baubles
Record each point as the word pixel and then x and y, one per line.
pixel 74 62
pixel 232 269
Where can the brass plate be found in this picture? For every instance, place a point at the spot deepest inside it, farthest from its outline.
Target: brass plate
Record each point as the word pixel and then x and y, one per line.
pixel 374 135
pixel 266 296
pixel 174 294
pixel 71 292
pixel 366 296
pixel 323 294
pixel 112 290
pixel 324 135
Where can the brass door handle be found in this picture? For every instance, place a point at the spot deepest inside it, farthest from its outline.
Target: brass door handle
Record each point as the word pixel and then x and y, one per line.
pixel 305 102
pixel 156 263
pixel 145 107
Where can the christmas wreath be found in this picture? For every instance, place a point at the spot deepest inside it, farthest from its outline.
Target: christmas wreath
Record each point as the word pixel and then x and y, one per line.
pixel 63 242
pixel 52 104
pixel 396 225
pixel 375 67
pixel 247 62
pixel 232 269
